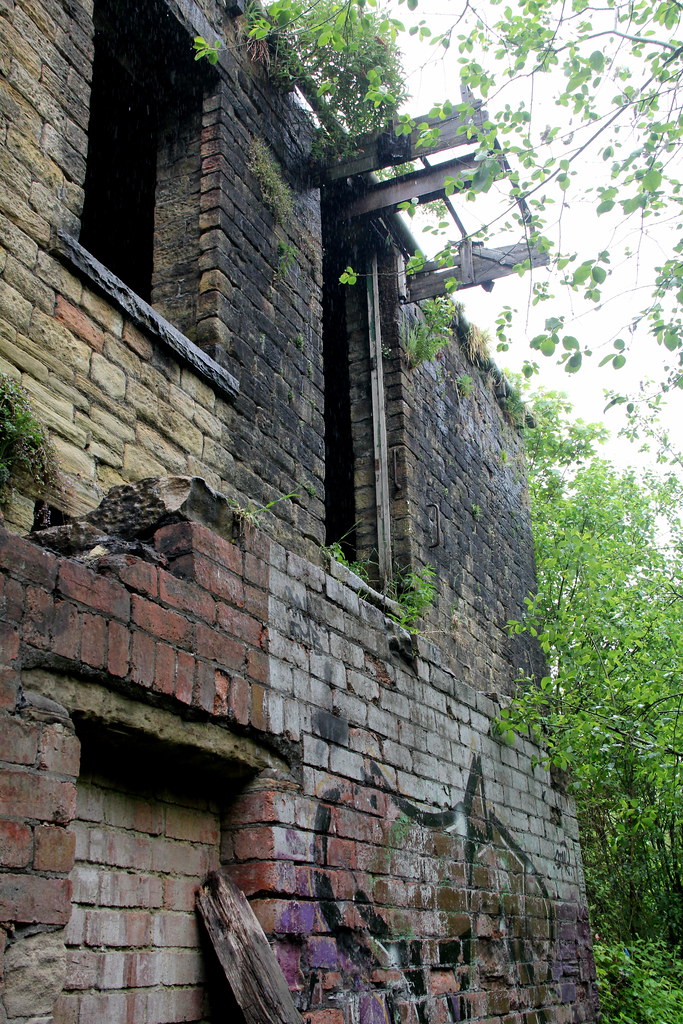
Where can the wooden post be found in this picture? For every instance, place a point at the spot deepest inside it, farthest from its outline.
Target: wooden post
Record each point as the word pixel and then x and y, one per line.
pixel 249 964
pixel 379 426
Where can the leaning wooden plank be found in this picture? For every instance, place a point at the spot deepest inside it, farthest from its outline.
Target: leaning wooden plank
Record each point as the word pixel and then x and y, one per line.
pixel 487 265
pixel 249 964
pixel 423 185
pixel 385 149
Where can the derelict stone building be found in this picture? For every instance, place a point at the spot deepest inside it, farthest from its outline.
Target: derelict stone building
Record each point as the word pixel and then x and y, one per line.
pixel 184 690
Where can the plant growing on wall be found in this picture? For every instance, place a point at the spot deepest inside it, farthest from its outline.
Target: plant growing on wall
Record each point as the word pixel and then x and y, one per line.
pixel 343 58
pixel 277 194
pixel 25 451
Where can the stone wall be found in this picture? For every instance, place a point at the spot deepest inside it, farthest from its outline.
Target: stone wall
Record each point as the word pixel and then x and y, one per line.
pixel 406 865
pixel 119 407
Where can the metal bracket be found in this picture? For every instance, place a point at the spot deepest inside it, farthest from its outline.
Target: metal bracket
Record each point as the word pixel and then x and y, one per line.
pixel 436 523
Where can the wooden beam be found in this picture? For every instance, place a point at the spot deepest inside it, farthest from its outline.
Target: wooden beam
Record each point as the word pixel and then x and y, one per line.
pixel 249 964
pixel 424 185
pixel 485 265
pixel 379 427
pixel 386 149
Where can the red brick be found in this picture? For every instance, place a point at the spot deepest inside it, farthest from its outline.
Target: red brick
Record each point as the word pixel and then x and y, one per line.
pixel 174 540
pixel 218 580
pixel 94 641
pixel 39 616
pixel 76 321
pixel 97 592
pixel 26 561
pixel 9 643
pixel 119 639
pixel 258 666
pixel 223 551
pixel 263 877
pixel 31 794
pixel 164 669
pixel 211 644
pixel 161 622
pixel 142 659
pixel 256 603
pixel 237 624
pixel 30 898
pixel 141 576
pixel 184 676
pixel 187 596
pixel 240 700
pixel 60 750
pixel 16 844
pixel 54 849
pixel 19 740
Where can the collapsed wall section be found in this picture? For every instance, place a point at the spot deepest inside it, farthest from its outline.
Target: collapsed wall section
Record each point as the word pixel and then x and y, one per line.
pixel 405 864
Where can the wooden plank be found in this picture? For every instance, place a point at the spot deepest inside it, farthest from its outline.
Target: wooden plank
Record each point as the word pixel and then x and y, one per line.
pixel 424 185
pixel 487 265
pixel 386 149
pixel 243 951
pixel 379 425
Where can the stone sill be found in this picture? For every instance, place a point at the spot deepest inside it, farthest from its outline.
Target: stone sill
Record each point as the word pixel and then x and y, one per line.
pixel 143 316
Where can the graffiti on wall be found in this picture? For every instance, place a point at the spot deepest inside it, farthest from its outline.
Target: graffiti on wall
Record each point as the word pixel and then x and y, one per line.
pixel 505 930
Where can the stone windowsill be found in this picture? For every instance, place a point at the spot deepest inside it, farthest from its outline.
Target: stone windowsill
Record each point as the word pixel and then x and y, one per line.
pixel 142 315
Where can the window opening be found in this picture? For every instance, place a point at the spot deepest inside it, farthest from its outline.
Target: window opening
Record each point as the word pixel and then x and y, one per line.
pixel 339 465
pixel 145 105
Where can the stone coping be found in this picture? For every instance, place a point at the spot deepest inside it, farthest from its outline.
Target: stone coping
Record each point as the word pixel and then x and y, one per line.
pixel 143 316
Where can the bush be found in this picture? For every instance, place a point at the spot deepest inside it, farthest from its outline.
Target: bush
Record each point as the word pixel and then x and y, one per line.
pixel 639 984
pixel 25 452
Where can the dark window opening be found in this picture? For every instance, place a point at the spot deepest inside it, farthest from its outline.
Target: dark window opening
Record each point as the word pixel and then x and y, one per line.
pixel 145 84
pixel 45 515
pixel 339 465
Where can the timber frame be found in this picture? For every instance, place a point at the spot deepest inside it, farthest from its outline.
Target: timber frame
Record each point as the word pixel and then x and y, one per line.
pixel 474 264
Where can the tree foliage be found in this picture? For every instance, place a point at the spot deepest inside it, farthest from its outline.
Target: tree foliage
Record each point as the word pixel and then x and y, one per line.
pixel 609 548
pixel 344 59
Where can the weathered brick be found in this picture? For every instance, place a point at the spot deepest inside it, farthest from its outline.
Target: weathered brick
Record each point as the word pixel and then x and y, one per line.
pixel 118 649
pixel 26 561
pixel 54 849
pixel 186 596
pixel 142 655
pixel 30 794
pixel 83 585
pixel 161 622
pixel 212 644
pixel 30 898
pixel 16 844
pixel 94 640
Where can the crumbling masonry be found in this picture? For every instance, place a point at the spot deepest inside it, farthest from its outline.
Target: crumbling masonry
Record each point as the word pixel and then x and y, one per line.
pixel 188 685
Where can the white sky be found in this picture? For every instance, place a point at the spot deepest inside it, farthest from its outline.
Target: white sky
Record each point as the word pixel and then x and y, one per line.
pixel 576 228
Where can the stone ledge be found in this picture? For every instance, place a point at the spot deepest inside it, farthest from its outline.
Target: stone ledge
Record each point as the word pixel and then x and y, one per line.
pixel 141 313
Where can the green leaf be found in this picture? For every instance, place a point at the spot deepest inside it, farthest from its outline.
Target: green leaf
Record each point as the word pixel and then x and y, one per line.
pixel 598 274
pixel 652 180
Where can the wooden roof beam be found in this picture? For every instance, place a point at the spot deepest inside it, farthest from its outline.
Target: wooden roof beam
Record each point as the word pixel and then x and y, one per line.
pixel 424 185
pixel 386 149
pixel 474 265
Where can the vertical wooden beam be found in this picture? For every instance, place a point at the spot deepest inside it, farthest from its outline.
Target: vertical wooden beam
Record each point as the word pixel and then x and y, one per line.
pixel 379 425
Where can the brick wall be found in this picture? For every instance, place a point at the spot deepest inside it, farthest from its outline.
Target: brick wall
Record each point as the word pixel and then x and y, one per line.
pixel 132 942
pixel 407 866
